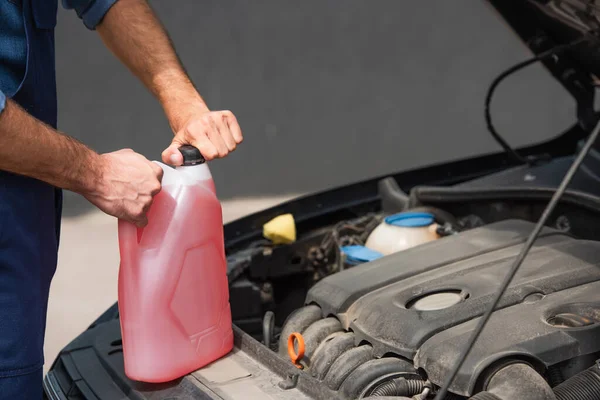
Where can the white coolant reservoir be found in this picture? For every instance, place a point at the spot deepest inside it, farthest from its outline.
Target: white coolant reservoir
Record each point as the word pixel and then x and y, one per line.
pixel 401 231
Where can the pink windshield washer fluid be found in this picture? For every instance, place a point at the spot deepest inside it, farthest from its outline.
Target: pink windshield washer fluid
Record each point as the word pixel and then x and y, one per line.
pixel 173 290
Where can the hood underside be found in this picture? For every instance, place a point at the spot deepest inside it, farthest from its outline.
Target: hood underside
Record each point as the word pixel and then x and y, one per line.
pixel 542 24
pixel 545 24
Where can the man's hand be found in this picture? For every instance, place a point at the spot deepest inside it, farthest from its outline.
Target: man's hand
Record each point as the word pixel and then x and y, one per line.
pixel 134 34
pixel 128 182
pixel 121 184
pixel 214 133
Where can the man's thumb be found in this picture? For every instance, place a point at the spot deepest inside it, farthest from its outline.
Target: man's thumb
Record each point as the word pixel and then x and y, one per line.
pixel 172 155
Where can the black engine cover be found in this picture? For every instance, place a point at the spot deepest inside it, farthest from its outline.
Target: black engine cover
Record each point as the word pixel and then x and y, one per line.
pixel 559 276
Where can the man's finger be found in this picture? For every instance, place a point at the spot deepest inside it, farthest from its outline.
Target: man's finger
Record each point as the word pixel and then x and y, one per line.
pixel 215 136
pixel 141 222
pixel 158 171
pixel 226 134
pixel 234 127
pixel 172 155
pixel 147 207
pixel 206 146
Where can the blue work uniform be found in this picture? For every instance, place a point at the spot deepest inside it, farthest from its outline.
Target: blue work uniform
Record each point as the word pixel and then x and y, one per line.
pixel 30 210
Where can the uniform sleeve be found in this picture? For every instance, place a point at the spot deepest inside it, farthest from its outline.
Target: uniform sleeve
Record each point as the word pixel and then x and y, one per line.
pixel 2 101
pixel 91 12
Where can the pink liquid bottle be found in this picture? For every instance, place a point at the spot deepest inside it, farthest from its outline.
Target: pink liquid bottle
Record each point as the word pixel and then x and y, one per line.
pixel 173 290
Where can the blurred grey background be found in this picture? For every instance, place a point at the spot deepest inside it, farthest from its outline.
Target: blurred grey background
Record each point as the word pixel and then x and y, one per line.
pixel 327 91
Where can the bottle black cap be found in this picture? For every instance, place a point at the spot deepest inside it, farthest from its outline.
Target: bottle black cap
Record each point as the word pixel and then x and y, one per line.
pixel 191 155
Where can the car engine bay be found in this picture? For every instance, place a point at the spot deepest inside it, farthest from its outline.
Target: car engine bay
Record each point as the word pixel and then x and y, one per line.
pixel 379 292
pixel 392 325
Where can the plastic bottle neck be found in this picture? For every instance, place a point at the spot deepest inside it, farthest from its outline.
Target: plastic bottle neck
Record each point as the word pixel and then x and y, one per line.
pixel 196 172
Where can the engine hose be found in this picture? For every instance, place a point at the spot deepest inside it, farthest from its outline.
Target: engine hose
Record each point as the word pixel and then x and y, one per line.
pixel 555 376
pixel 345 364
pixel 268 328
pixel 393 199
pixel 298 321
pixel 331 350
pixel 516 380
pixel 389 398
pixel 452 396
pixel 440 216
pixel 423 195
pixel 316 333
pixel 370 373
pixel 485 396
pixel 399 387
pixel 583 386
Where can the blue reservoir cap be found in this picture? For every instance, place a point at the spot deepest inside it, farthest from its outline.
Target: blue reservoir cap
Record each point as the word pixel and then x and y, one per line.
pixel 359 254
pixel 410 219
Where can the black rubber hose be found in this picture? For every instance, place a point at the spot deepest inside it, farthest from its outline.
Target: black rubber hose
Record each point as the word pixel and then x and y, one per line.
pixel 298 321
pixel 400 387
pixel 485 396
pixel 440 216
pixel 516 380
pixel 388 398
pixel 345 364
pixel 438 195
pixel 332 349
pixel 583 386
pixel 368 372
pixel 452 396
pixel 555 376
pixel 393 199
pixel 315 334
pixel 268 328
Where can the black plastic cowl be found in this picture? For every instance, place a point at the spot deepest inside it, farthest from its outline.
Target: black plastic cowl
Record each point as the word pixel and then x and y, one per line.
pixel 191 155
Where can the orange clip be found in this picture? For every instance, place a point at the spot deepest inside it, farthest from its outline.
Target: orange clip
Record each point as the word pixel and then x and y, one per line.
pixel 296 357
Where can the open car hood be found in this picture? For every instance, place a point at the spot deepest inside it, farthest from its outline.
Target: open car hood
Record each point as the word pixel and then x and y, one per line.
pixel 544 24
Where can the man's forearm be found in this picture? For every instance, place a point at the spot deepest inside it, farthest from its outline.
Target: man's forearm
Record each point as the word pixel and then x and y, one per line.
pixel 134 34
pixel 31 148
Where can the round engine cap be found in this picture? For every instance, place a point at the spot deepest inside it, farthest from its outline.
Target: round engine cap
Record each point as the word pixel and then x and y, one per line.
pixel 437 301
pixel 410 219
